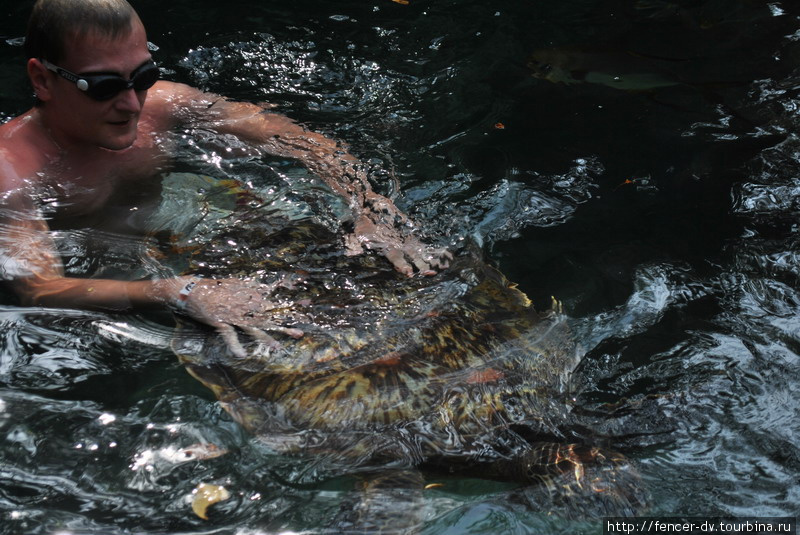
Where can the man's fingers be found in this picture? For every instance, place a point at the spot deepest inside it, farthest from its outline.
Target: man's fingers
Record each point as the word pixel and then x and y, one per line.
pixel 398 259
pixel 230 337
pixel 429 261
pixel 438 258
pixel 288 331
pixel 265 341
pixel 442 258
pixel 353 245
pixel 260 336
pixel 423 267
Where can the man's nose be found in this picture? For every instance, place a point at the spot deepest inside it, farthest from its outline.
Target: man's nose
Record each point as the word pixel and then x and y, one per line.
pixel 128 101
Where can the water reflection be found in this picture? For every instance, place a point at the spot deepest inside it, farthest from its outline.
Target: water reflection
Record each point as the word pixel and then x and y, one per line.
pixel 683 286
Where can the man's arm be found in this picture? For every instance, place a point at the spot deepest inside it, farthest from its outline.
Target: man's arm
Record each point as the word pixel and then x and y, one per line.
pixel 378 223
pixel 30 264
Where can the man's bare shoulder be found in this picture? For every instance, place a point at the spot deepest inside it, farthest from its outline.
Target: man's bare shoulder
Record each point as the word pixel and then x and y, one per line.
pixel 20 152
pixel 171 100
pixel 189 104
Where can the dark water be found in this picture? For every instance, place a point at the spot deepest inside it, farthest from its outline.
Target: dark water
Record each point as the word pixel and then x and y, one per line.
pixel 656 196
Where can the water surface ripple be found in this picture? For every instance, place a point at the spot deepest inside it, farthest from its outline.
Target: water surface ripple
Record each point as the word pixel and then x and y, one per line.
pixel 639 160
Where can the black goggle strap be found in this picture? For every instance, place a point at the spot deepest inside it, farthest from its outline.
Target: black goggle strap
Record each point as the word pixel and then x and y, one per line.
pixel 82 84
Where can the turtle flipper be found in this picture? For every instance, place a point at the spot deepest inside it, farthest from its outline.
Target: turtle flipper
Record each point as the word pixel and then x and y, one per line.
pixel 574 480
pixel 389 502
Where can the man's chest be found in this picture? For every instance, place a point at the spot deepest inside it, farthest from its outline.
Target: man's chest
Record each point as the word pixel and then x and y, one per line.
pixel 117 186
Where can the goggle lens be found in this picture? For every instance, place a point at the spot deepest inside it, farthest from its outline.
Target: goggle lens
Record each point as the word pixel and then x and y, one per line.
pixel 105 87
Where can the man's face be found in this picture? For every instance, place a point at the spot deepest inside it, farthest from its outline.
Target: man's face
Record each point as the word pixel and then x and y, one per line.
pixel 77 119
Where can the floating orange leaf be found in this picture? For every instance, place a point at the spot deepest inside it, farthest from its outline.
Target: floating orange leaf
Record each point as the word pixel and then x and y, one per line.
pixel 499 126
pixel 403 2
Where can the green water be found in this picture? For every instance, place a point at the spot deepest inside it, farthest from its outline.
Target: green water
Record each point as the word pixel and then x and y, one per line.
pixel 663 215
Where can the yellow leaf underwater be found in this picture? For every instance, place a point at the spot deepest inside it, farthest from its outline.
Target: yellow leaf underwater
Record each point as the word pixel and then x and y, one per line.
pixel 206 495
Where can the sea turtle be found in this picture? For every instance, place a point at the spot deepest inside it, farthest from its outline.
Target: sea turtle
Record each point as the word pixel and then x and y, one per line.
pixel 396 377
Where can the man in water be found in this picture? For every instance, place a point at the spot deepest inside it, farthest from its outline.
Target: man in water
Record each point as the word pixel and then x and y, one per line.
pixel 98 128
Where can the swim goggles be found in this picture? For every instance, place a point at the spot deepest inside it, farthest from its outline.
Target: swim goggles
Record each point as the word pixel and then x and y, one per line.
pixel 107 86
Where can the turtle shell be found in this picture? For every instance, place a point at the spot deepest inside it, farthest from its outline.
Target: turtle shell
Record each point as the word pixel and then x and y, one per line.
pixel 454 370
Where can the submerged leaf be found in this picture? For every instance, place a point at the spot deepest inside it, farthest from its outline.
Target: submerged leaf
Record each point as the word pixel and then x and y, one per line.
pixel 206 495
pixel 203 451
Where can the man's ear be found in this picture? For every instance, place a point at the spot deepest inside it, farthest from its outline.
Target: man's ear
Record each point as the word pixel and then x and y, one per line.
pixel 40 79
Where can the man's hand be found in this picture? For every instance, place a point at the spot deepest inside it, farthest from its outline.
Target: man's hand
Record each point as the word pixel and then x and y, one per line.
pixel 382 227
pixel 231 304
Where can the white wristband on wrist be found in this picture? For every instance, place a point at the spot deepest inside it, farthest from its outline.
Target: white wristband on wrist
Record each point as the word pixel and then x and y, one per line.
pixel 183 295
